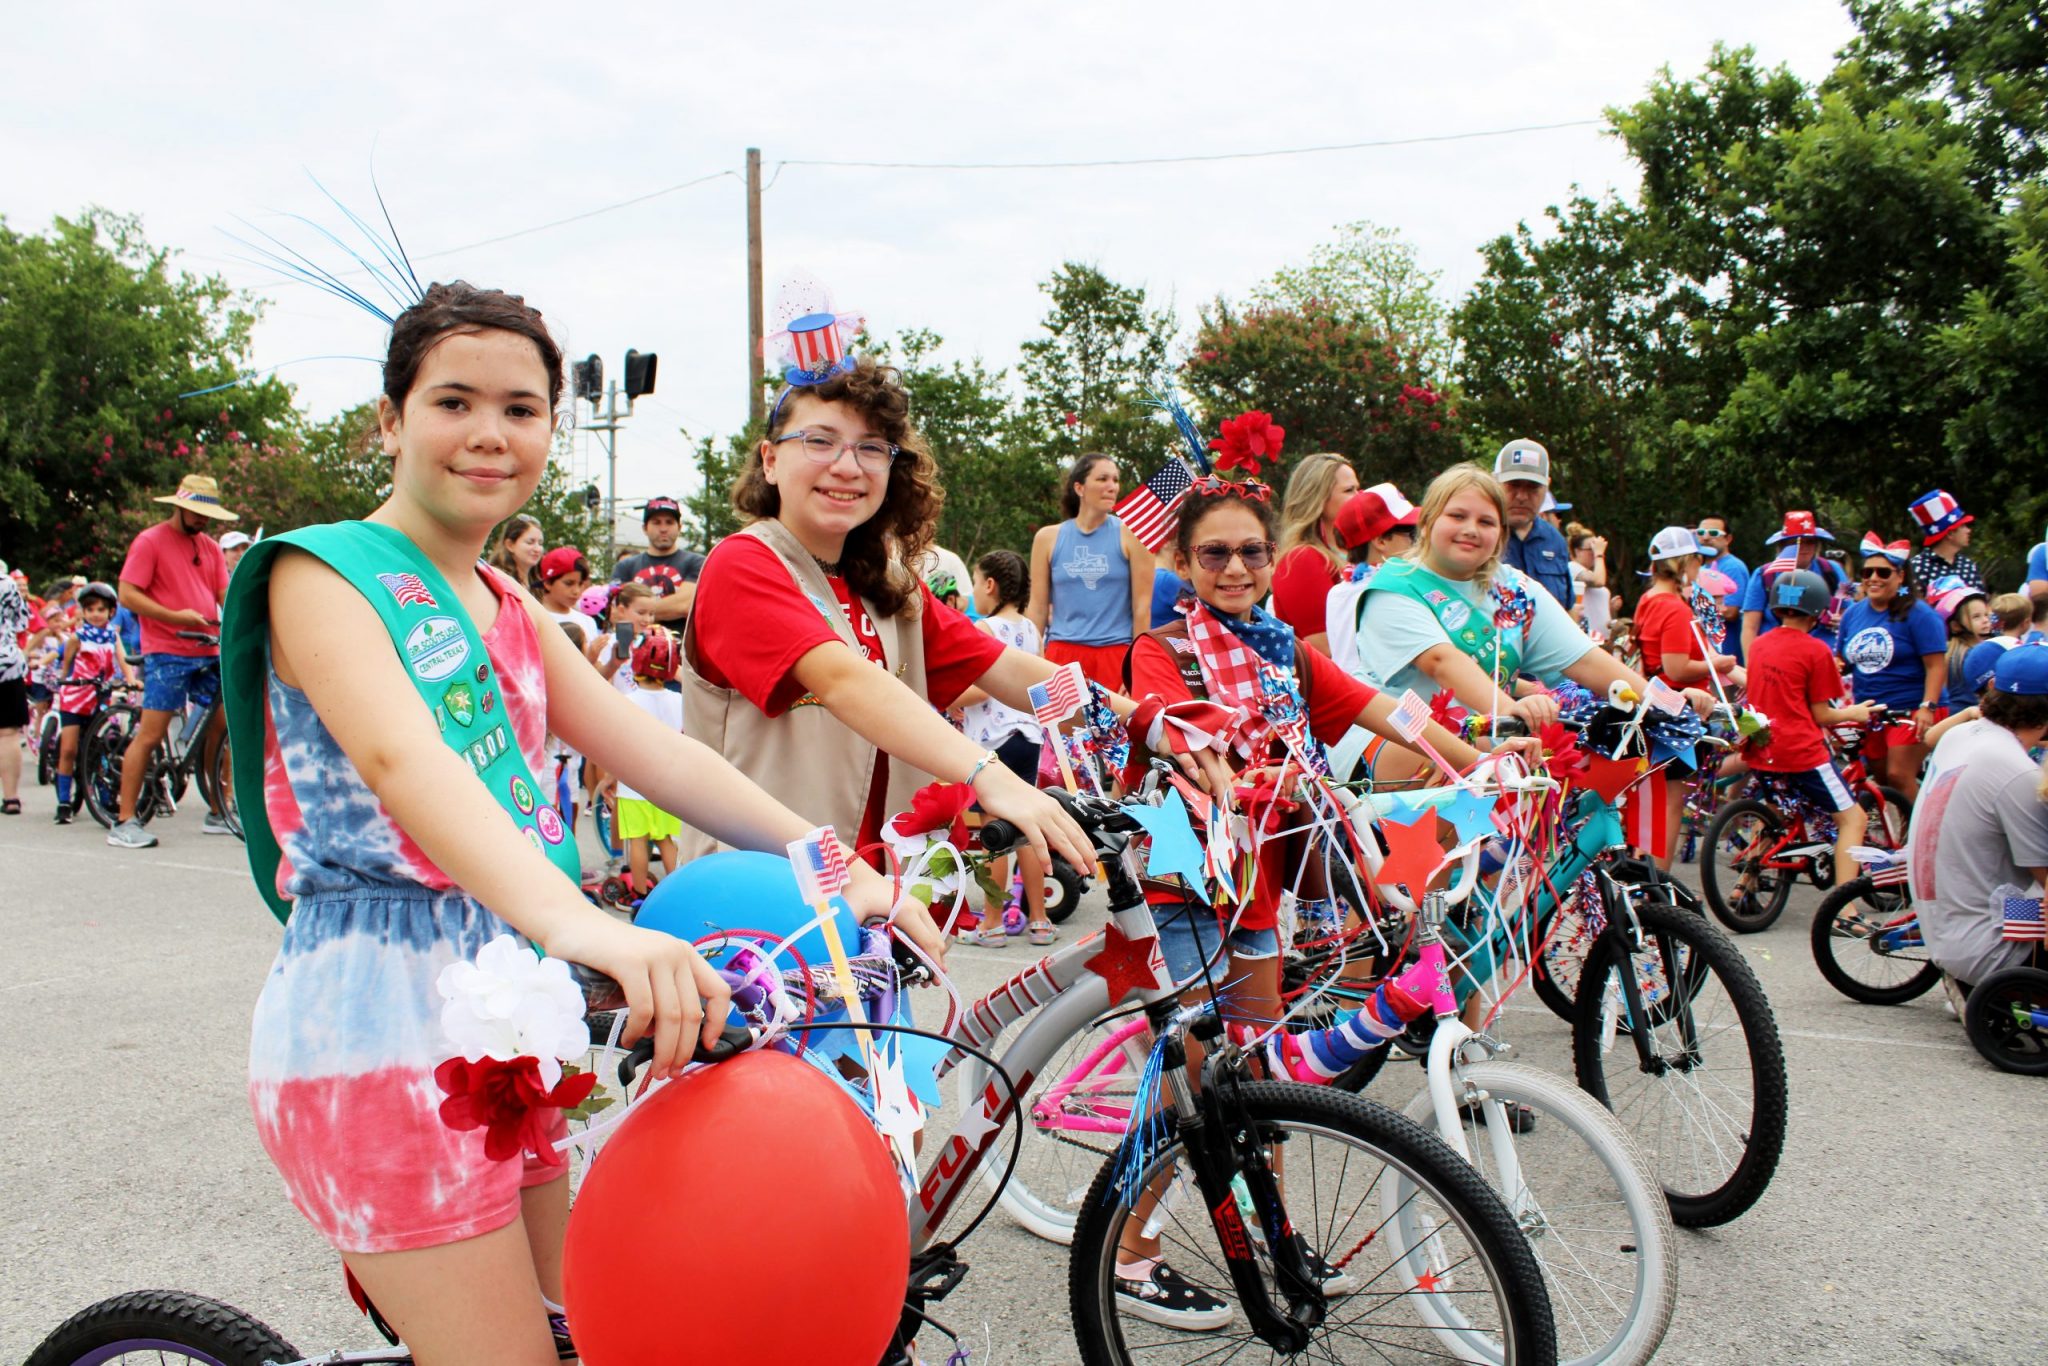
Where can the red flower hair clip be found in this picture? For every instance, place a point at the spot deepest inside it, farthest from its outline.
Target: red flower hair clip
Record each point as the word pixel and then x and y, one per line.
pixel 1248 442
pixel 1216 486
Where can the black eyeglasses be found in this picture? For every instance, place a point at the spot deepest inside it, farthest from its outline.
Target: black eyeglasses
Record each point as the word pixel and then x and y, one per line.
pixel 1879 571
pixel 1215 557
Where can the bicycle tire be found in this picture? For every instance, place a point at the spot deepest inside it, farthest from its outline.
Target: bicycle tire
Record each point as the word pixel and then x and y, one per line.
pixel 1634 1243
pixel 207 1332
pixel 1841 957
pixel 48 735
pixel 1493 1256
pixel 1989 1015
pixel 1064 888
pixel 222 788
pixel 1641 1098
pixel 1774 887
pixel 101 752
pixel 1890 815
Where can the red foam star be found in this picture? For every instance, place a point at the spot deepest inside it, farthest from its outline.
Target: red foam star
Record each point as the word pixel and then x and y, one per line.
pixel 1413 852
pixel 1124 965
pixel 1609 776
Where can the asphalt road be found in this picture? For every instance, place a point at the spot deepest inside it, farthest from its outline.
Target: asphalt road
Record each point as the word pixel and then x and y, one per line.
pixel 1906 1224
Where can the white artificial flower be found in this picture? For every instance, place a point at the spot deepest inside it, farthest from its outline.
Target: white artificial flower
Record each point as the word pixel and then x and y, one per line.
pixel 512 1003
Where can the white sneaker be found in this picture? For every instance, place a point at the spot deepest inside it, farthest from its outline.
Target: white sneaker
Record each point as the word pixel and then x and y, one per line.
pixel 1955 1001
pixel 129 834
pixel 215 825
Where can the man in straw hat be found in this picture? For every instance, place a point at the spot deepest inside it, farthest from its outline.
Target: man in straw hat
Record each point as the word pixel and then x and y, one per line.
pixel 174 579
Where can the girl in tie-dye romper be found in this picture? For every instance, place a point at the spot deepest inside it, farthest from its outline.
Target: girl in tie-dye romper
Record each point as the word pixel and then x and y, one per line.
pixel 392 851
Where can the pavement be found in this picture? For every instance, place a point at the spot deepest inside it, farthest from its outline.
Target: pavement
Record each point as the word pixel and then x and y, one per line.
pixel 1905 1225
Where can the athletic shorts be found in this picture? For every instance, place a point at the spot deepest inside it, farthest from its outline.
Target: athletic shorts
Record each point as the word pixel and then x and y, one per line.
pixel 643 820
pixel 73 718
pixel 1189 934
pixel 1103 664
pixel 169 681
pixel 39 693
pixel 1820 787
pixel 13 704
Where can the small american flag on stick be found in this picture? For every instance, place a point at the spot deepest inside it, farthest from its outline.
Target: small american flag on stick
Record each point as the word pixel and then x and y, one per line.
pixel 1665 698
pixel 2022 913
pixel 819 862
pixel 1059 697
pixel 1410 716
pixel 408 589
pixel 1152 510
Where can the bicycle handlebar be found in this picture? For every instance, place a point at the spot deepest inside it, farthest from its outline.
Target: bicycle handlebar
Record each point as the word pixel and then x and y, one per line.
pixel 203 637
pixel 735 1040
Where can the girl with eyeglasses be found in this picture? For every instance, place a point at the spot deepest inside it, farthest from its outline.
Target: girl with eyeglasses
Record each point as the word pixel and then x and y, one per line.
pixel 1897 651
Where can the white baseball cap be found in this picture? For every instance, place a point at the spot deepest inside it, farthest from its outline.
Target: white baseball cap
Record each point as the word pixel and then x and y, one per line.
pixel 1674 541
pixel 1524 460
pixel 236 538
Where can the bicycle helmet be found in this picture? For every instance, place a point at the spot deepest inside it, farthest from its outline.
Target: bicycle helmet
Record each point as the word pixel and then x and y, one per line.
pixel 595 599
pixel 1801 591
pixel 655 656
pixel 97 589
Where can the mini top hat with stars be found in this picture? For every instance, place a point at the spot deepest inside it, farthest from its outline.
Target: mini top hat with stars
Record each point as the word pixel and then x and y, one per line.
pixel 812 341
pixel 1937 513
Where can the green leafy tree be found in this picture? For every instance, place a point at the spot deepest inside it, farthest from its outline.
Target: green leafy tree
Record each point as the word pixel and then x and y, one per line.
pixel 1086 380
pixel 1370 277
pixel 711 515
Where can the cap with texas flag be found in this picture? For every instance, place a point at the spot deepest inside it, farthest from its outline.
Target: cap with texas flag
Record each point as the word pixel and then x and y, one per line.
pixel 1371 513
pixel 1937 513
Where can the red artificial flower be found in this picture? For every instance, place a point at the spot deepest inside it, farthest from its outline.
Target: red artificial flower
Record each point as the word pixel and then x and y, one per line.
pixel 1073 419
pixel 936 806
pixel 1445 711
pixel 1248 441
pixel 507 1101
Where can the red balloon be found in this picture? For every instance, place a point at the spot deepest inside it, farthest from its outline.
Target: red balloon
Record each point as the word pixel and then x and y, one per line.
pixel 740 1205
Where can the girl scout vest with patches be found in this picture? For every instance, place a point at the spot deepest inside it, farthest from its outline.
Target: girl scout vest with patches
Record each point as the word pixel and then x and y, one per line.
pixel 1475 632
pixel 436 642
pixel 806 758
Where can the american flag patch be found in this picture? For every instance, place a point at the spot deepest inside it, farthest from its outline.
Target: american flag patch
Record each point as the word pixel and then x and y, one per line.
pixel 408 589
pixel 1410 715
pixel 1059 697
pixel 2022 915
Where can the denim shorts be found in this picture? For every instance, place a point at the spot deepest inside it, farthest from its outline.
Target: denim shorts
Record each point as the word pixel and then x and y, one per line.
pixel 168 681
pixel 1189 933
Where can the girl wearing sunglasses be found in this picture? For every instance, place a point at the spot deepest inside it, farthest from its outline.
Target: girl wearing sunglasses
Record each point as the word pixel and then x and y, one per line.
pixel 1897 650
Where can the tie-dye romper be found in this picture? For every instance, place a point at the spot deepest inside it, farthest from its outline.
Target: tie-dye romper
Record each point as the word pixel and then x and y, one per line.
pixel 347 1031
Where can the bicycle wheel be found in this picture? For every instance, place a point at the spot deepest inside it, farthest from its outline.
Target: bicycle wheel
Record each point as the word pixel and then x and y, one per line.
pixel 1742 833
pixel 1708 1106
pixel 161 1326
pixel 100 753
pixel 1555 973
pixel 1432 1265
pixel 1074 1116
pixel 1888 965
pixel 1890 812
pixel 47 735
pixel 2007 1016
pixel 222 787
pixel 1589 1203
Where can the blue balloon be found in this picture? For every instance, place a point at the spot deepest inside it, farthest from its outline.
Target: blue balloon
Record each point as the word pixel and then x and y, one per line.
pixel 740 889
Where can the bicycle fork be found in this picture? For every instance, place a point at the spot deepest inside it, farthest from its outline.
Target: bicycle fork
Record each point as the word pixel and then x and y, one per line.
pixel 1622 922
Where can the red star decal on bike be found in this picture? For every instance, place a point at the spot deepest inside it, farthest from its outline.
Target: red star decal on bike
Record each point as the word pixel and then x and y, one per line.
pixel 1413 852
pixel 1124 965
pixel 1609 776
pixel 1429 1283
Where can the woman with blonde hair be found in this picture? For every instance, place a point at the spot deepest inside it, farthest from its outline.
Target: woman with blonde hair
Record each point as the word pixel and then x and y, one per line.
pixel 518 552
pixel 1311 555
pixel 1450 617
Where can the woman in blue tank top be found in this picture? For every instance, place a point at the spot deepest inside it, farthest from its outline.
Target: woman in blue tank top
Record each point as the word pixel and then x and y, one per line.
pixel 1091 580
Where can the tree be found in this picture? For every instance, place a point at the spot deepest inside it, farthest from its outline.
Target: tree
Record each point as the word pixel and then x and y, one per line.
pixel 1370 277
pixel 1086 380
pixel 712 516
pixel 111 364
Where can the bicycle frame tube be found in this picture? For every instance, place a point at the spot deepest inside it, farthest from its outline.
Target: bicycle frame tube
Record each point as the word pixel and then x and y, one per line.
pixel 1048 1112
pixel 1599 831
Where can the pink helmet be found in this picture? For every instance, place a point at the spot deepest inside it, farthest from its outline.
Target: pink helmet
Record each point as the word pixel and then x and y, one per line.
pixel 595 599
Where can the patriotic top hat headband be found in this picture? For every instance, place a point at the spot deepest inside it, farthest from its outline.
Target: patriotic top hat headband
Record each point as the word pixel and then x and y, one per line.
pixel 811 340
pixel 1937 513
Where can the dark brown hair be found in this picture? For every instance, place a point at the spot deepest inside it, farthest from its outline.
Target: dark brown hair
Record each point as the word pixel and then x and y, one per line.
pixel 1198 506
pixel 448 310
pixel 1070 501
pixel 501 554
pixel 2014 711
pixel 876 550
pixel 1012 577
pixel 1904 594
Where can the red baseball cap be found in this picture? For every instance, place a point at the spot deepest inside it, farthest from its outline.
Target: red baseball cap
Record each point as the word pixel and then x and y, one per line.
pixel 559 561
pixel 1371 513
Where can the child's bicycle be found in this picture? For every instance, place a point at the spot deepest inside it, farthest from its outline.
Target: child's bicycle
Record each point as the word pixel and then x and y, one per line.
pixel 1866 938
pixel 180 759
pixel 1380 1246
pixel 1762 843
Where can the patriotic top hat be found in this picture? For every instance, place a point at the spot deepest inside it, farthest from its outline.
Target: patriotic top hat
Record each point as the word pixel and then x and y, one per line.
pixel 1937 513
pixel 810 339
pixel 1800 526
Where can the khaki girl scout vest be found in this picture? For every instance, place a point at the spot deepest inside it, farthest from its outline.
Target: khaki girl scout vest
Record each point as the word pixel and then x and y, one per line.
pixel 805 758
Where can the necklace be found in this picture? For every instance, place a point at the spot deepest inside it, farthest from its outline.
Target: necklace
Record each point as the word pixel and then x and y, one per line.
pixel 830 567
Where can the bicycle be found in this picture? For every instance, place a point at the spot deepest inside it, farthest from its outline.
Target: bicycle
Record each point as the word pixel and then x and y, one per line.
pixel 180 759
pixel 1866 937
pixel 1764 842
pixel 48 731
pixel 1439 1269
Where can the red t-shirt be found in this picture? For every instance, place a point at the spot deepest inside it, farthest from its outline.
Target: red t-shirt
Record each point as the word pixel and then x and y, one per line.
pixel 1301 590
pixel 1334 700
pixel 753 624
pixel 179 572
pixel 1664 625
pixel 1789 671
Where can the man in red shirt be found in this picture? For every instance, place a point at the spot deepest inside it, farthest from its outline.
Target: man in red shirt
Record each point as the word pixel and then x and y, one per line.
pixel 174 579
pixel 1793 681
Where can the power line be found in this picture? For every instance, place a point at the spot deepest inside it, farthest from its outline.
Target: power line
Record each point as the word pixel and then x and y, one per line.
pixel 1203 156
pixel 579 217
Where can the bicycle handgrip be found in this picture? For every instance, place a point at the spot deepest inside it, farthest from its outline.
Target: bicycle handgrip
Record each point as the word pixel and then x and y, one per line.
pixel 734 1041
pixel 1000 837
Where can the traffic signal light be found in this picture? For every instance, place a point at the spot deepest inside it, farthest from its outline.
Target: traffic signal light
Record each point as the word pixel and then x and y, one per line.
pixel 589 379
pixel 639 374
pixel 591 497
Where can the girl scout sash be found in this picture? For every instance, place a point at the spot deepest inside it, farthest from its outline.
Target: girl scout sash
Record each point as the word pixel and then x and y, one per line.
pixel 1470 630
pixel 442 653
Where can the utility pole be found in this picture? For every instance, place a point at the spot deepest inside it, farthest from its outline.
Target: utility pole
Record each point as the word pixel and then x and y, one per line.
pixel 606 423
pixel 755 403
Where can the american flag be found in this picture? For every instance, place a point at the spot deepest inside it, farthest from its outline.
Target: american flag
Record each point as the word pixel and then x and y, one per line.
pixel 1059 697
pixel 2023 924
pixel 1788 558
pixel 819 862
pixel 1892 873
pixel 1152 510
pixel 1410 716
pixel 1665 698
pixel 408 589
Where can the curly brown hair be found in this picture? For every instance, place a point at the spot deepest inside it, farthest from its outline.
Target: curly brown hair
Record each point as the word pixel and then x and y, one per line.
pixel 876 551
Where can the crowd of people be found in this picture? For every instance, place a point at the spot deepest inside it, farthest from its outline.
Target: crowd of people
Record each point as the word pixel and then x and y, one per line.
pixel 802 673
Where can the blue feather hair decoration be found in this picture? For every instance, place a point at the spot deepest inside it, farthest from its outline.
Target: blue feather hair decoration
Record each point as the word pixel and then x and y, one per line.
pixel 1169 403
pixel 385 262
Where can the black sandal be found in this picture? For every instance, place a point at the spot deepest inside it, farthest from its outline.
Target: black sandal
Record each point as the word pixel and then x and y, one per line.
pixel 10 806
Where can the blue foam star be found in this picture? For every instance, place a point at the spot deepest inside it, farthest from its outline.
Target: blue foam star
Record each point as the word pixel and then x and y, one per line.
pixel 921 1059
pixel 1470 813
pixel 1175 850
pixel 1661 751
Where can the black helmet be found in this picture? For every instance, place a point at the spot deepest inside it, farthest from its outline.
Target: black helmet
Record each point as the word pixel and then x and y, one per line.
pixel 96 589
pixel 1799 590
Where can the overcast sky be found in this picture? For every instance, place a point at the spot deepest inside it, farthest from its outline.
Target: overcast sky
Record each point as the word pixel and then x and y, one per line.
pixel 490 119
